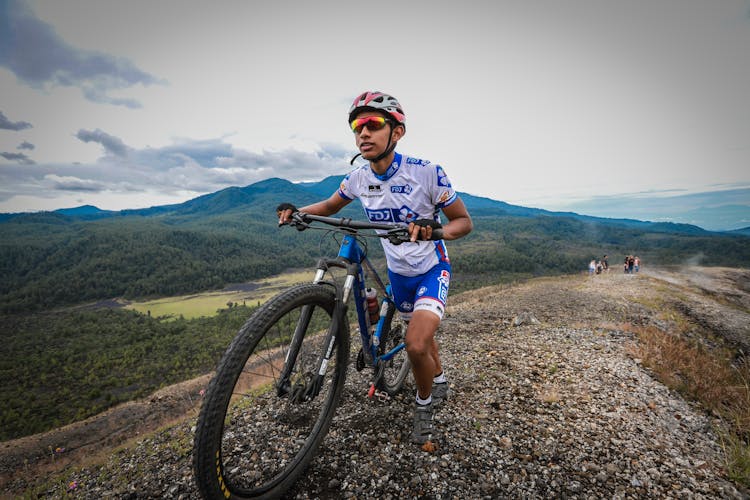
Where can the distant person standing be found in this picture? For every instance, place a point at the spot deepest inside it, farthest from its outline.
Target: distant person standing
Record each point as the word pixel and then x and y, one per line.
pixel 605 264
pixel 636 263
pixel 592 267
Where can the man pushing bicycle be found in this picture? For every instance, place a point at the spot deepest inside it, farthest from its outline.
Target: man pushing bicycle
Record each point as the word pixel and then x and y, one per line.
pixel 397 188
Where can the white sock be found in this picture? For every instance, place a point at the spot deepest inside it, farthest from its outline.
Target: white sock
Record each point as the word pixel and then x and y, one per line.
pixel 423 402
pixel 440 379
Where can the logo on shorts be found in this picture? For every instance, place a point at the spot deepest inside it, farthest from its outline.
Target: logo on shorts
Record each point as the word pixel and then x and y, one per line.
pixel 422 290
pixel 444 279
pixel 406 306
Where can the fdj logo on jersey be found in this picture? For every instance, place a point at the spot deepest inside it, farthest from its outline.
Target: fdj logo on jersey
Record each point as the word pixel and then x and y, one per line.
pixel 403 214
pixel 407 189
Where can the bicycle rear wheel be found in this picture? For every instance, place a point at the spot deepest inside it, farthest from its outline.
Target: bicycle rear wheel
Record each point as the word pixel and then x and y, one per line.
pixel 390 375
pixel 256 434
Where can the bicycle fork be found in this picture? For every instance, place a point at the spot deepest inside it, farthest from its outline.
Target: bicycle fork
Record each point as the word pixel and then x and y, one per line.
pixel 308 388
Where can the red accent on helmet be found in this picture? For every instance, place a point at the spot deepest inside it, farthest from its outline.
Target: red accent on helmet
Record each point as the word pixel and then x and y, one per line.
pixel 378 101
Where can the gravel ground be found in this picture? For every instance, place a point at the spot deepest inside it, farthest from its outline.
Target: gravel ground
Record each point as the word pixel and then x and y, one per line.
pixel 545 402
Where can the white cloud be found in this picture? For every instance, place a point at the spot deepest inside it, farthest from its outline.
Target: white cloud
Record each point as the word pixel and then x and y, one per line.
pixel 35 53
pixel 187 167
pixel 532 104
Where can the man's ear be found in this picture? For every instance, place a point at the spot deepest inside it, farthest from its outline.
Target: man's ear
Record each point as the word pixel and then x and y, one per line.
pixel 398 132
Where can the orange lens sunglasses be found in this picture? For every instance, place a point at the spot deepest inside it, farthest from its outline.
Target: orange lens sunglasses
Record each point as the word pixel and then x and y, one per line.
pixel 372 123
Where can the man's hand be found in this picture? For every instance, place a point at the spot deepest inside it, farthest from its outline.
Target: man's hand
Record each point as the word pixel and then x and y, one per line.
pixel 421 229
pixel 285 211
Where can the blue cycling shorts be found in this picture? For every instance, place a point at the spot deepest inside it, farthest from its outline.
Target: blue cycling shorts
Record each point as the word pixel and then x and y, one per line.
pixel 428 291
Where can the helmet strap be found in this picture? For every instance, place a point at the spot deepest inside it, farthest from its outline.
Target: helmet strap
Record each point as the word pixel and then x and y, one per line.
pixel 388 148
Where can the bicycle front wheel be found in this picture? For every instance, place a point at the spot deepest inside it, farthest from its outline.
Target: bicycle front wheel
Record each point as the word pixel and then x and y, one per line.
pixel 270 403
pixel 391 374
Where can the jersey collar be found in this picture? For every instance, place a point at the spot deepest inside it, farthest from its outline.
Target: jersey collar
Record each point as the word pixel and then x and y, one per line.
pixel 392 169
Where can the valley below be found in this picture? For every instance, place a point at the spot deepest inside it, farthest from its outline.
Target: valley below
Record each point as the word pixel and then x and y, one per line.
pixel 558 389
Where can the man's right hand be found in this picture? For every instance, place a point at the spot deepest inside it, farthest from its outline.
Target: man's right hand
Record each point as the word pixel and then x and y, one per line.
pixel 285 211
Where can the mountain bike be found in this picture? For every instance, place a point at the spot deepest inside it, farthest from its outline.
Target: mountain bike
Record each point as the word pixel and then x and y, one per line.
pixel 277 386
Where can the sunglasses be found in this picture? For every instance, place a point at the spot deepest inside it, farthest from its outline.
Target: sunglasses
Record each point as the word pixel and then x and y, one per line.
pixel 372 123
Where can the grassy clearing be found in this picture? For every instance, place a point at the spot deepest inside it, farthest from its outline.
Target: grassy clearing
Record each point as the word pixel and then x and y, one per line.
pixel 207 304
pixel 712 378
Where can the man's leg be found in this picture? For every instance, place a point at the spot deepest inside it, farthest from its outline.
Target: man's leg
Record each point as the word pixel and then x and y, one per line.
pixel 422 349
pixel 436 357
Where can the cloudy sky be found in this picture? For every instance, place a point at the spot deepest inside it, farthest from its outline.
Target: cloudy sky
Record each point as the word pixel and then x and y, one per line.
pixel 559 105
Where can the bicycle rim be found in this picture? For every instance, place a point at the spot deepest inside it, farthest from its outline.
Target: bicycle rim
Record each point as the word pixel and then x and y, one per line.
pixel 260 439
pixel 393 372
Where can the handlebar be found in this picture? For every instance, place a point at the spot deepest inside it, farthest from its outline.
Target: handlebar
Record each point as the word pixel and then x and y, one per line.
pixel 396 233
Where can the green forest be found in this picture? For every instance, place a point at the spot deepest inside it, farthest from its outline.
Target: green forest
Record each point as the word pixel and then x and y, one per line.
pixel 46 265
pixel 65 358
pixel 64 366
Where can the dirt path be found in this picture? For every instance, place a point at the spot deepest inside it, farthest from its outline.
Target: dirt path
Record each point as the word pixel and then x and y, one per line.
pixel 717 299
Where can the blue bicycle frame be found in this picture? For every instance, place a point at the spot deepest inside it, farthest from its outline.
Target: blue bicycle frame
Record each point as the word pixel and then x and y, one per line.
pixel 352 258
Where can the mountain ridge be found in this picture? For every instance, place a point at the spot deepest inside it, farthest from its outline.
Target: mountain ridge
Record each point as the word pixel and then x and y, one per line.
pixel 269 192
pixel 50 259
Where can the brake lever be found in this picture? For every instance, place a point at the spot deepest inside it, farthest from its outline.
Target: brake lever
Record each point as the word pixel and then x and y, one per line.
pixel 298 221
pixel 398 236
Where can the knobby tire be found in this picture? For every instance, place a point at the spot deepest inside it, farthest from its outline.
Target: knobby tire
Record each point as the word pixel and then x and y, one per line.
pixel 252 440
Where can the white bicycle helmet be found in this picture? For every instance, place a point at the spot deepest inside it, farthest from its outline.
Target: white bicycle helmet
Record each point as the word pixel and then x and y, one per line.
pixel 378 101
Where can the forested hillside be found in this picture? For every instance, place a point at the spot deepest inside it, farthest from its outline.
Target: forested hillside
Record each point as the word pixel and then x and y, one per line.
pixel 55 259
pixel 62 362
pixel 61 367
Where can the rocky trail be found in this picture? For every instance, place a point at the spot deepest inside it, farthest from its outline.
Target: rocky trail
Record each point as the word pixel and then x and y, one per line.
pixel 547 400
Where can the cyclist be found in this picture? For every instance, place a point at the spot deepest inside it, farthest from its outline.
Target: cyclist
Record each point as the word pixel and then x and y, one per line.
pixel 397 188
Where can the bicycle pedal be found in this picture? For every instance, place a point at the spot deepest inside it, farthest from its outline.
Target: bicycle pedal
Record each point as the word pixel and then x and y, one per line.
pixel 374 393
pixel 382 396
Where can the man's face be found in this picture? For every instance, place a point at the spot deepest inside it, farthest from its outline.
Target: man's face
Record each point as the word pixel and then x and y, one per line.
pixel 371 142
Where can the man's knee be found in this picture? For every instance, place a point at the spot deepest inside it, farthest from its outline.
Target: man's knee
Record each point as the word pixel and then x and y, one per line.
pixel 418 346
pixel 421 334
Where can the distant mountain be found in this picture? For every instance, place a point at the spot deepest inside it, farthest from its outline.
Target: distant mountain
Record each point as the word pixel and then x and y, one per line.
pixel 719 210
pixel 74 255
pixel 83 211
pixel 267 194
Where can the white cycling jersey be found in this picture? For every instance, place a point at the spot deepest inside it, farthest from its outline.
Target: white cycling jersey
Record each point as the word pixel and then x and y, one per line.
pixel 410 189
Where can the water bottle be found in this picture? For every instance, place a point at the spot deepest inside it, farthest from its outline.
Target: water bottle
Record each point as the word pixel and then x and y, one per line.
pixel 372 305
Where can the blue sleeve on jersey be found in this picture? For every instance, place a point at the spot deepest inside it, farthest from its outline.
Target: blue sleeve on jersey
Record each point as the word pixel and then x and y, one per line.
pixel 345 186
pixel 446 193
pixel 449 201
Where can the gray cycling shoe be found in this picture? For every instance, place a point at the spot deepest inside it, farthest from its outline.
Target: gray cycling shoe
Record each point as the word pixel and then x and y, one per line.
pixel 440 392
pixel 423 428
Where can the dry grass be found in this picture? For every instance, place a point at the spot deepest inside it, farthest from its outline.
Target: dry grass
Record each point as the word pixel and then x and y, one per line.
pixel 712 378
